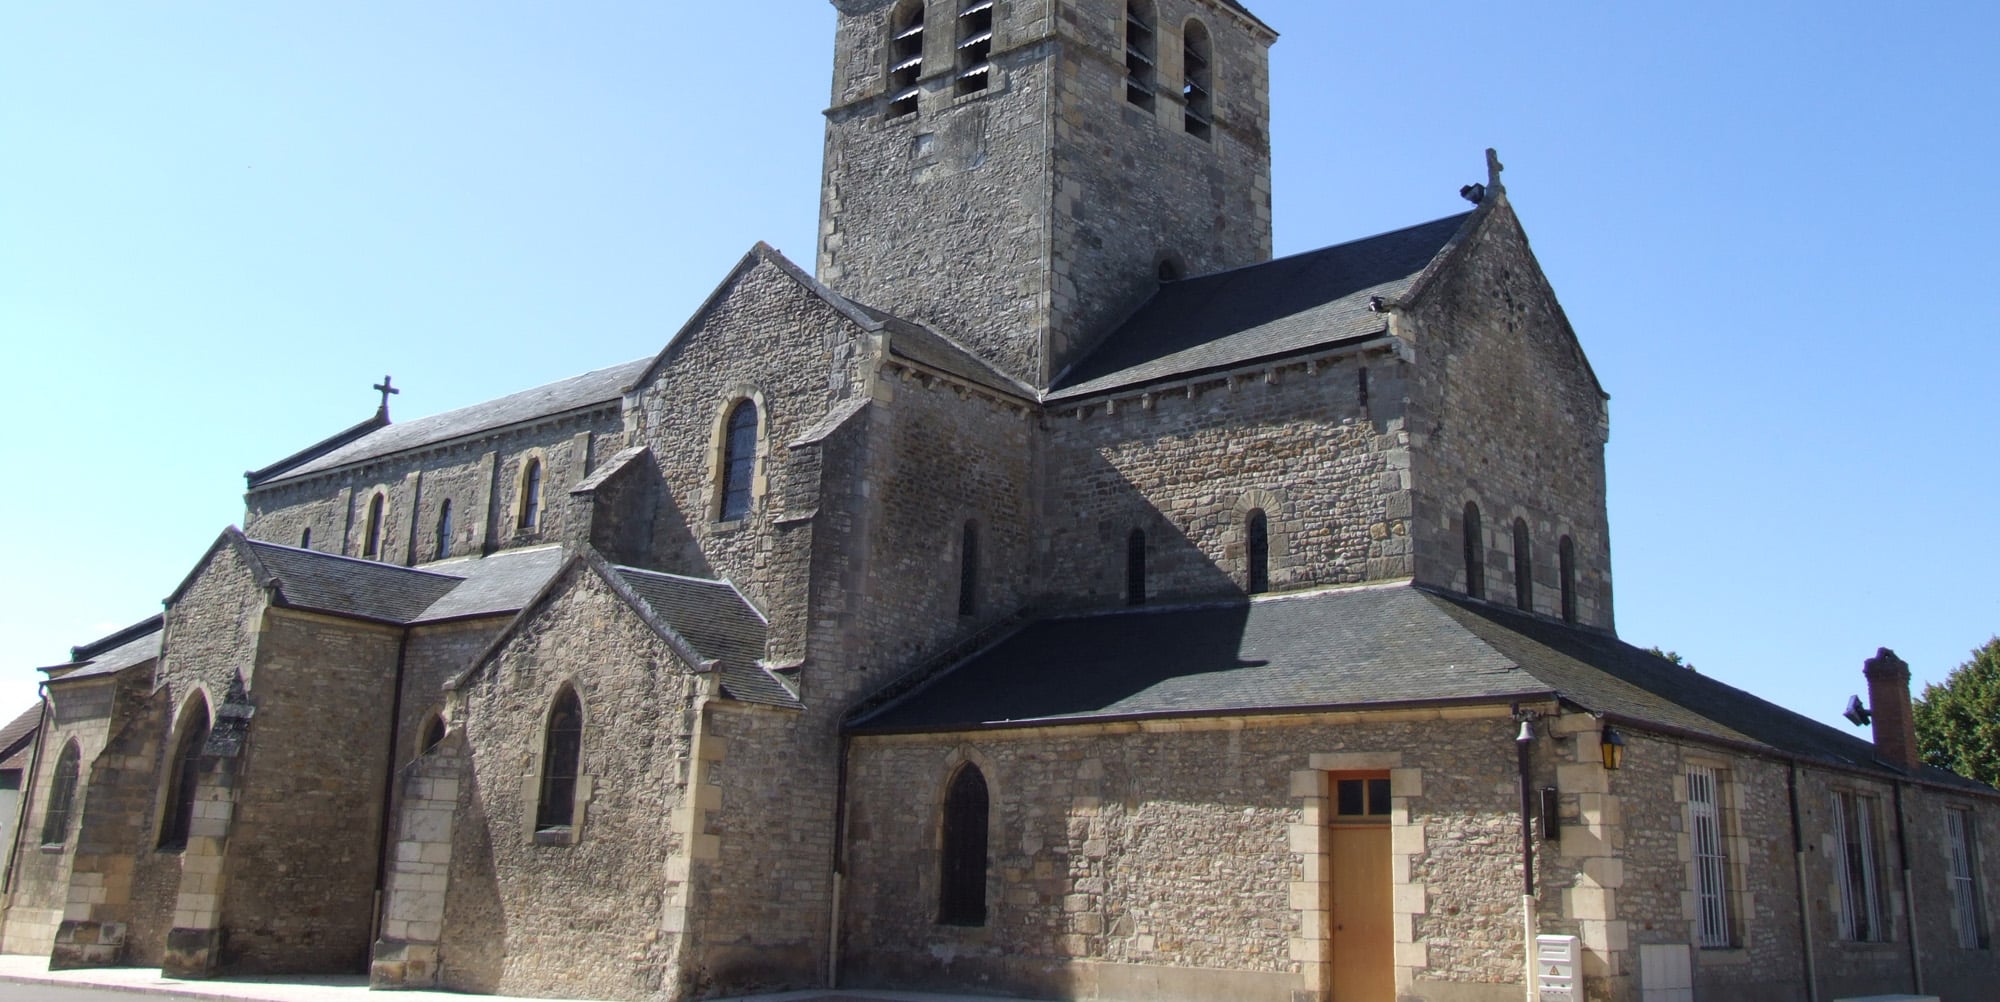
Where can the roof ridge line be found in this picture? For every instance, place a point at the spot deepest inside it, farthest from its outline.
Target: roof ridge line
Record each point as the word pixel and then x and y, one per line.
pixel 358 560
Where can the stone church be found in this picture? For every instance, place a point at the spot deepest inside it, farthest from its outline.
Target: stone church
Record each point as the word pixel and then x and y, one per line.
pixel 1049 593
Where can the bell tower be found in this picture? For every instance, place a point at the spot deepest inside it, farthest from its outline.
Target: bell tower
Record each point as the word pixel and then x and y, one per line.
pixel 1022 173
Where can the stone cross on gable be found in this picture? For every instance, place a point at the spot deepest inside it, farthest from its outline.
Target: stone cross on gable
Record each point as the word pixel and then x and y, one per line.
pixel 385 387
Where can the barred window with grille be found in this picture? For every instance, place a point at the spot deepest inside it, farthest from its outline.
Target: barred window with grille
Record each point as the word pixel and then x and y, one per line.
pixel 1711 864
pixel 1965 911
pixel 1860 904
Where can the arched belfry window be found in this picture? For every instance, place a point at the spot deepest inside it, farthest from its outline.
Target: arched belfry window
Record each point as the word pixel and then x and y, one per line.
pixel 531 494
pixel 1135 568
pixel 739 460
pixel 975 45
pixel 1475 552
pixel 1524 568
pixel 1141 42
pixel 371 540
pixel 562 754
pixel 185 776
pixel 1566 557
pixel 1257 552
pixel 906 58
pixel 444 530
pixel 968 570
pixel 433 733
pixel 962 844
pixel 1197 81
pixel 62 796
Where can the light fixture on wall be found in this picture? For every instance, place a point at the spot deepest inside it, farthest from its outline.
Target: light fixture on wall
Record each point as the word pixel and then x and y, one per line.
pixel 1612 745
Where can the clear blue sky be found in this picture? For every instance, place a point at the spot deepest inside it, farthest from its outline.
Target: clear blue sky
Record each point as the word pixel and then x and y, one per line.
pixel 1771 224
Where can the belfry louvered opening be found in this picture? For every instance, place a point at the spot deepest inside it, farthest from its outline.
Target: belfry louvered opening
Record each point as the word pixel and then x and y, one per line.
pixel 1140 46
pixel 975 46
pixel 906 60
pixel 1197 82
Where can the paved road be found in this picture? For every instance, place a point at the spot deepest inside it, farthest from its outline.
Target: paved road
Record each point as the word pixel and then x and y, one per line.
pixel 10 992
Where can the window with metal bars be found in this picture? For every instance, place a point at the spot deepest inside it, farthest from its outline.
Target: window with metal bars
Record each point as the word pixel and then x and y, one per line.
pixel 1860 904
pixel 1475 552
pixel 1968 918
pixel 975 46
pixel 62 797
pixel 1257 552
pixel 1566 557
pixel 562 753
pixel 1524 568
pixel 962 860
pixel 1711 863
pixel 186 774
pixel 906 59
pixel 1135 568
pixel 1140 46
pixel 1197 81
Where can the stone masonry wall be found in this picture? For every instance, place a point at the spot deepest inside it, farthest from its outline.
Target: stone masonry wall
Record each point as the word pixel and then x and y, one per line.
pixel 1179 465
pixel 38 890
pixel 1168 857
pixel 1132 187
pixel 304 845
pixel 432 656
pixel 1504 412
pixel 942 216
pixel 583 918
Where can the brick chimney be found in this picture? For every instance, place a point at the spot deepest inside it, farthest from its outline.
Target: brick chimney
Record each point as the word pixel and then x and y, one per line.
pixel 1889 708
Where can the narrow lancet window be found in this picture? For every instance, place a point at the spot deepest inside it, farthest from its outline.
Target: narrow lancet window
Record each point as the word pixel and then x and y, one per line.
pixel 306 538
pixel 433 732
pixel 968 570
pixel 1566 556
pixel 1135 568
pixel 975 46
pixel 906 59
pixel 444 530
pixel 1257 551
pixel 1197 82
pixel 531 494
pixel 1140 45
pixel 1524 568
pixel 739 461
pixel 562 751
pixel 371 542
pixel 962 869
pixel 62 797
pixel 1475 552
pixel 186 777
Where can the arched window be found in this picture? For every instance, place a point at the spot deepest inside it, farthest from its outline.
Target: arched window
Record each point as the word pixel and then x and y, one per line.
pixel 1197 81
pixel 306 538
pixel 371 541
pixel 531 494
pixel 739 461
pixel 433 732
pixel 906 59
pixel 1139 48
pixel 1257 549
pixel 185 776
pixel 1135 568
pixel 62 797
pixel 962 861
pixel 1524 568
pixel 562 751
pixel 1475 553
pixel 444 530
pixel 968 570
pixel 1566 555
pixel 975 44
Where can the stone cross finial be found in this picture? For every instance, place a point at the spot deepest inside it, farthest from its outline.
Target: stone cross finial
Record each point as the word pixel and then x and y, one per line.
pixel 386 388
pixel 1493 169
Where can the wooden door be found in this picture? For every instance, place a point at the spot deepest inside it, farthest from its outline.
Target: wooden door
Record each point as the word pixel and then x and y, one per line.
pixel 1363 943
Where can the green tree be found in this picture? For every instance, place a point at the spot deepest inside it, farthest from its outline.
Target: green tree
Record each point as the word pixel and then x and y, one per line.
pixel 1958 722
pixel 1674 656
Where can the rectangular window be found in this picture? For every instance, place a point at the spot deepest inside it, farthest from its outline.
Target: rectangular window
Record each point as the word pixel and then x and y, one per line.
pixel 1965 909
pixel 1860 904
pixel 1711 865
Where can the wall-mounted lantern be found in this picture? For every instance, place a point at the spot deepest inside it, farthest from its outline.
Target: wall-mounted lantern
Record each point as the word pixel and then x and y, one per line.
pixel 1612 745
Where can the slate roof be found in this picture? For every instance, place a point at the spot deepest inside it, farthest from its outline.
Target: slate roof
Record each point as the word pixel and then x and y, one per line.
pixel 721 625
pixel 600 386
pixel 134 645
pixel 18 737
pixel 1348 648
pixel 503 582
pixel 366 589
pixel 1266 310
